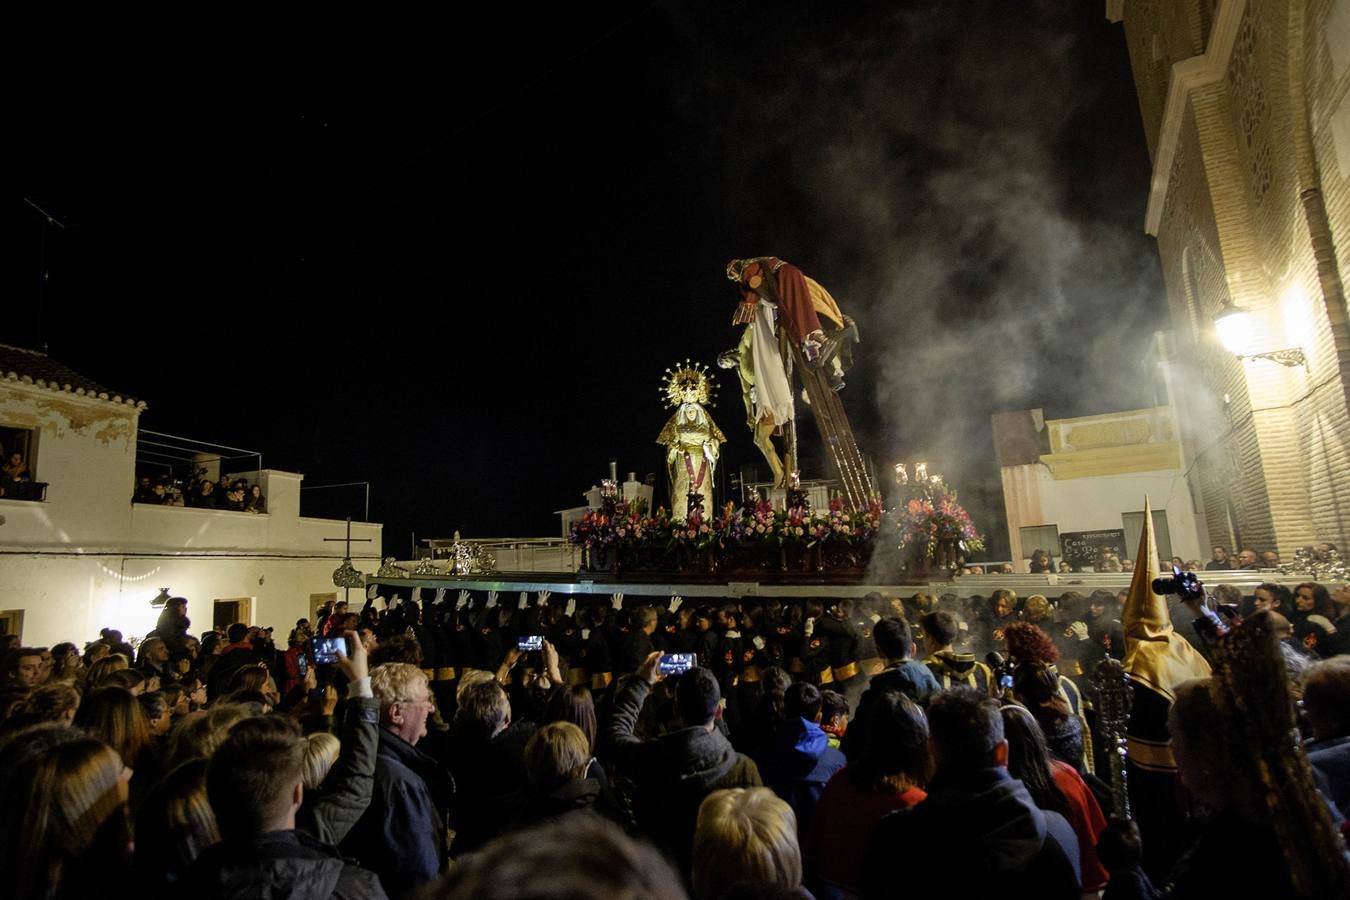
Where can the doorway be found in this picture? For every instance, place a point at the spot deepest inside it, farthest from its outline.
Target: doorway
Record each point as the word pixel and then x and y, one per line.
pixel 225 613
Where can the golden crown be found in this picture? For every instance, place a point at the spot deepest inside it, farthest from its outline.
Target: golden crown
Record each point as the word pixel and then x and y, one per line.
pixel 686 377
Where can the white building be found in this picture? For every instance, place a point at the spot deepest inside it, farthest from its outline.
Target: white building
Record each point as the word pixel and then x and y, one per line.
pixel 80 556
pixel 1088 476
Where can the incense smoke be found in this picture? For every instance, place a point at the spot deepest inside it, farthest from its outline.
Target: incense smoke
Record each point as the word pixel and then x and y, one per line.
pixel 934 152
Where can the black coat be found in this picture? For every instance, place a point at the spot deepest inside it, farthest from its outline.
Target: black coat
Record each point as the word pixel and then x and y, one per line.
pixel 980 833
pixel 489 774
pixel 274 865
pixel 672 773
pixel 633 651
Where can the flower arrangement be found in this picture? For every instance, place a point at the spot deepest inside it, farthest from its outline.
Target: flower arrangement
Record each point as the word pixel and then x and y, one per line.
pixel 758 530
pixel 932 515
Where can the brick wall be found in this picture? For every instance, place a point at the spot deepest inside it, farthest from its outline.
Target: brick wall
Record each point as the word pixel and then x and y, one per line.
pixel 1272 460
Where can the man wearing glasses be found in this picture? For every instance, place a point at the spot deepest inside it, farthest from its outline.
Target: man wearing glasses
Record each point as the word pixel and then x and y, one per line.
pixel 401 836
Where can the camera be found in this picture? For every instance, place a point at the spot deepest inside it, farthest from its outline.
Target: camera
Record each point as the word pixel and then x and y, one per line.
pixel 530 642
pixel 1186 585
pixel 1001 668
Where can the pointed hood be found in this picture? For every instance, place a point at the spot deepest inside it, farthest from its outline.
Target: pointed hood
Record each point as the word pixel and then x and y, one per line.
pixel 1155 655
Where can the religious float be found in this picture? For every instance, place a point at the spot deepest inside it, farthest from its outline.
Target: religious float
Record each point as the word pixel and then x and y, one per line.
pixel 793 331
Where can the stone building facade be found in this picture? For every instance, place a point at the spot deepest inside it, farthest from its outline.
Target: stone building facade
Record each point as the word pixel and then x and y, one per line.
pixel 1245 108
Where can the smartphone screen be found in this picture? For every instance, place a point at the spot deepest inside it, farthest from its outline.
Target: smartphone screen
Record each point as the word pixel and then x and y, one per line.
pixel 530 642
pixel 328 649
pixel 675 663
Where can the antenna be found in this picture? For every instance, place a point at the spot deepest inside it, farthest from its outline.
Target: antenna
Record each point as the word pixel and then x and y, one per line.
pixel 43 275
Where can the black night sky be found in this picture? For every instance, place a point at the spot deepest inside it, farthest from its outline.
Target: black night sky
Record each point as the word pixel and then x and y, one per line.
pixel 455 261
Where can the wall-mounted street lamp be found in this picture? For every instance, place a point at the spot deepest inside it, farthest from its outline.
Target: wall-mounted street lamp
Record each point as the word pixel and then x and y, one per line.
pixel 1237 332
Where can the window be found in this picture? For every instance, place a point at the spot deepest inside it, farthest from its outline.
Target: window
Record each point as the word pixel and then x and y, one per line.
pixel 1134 526
pixel 1040 537
pixel 18 456
pixel 11 622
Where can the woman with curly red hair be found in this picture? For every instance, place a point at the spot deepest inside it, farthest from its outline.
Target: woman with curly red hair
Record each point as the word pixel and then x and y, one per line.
pixel 1052 698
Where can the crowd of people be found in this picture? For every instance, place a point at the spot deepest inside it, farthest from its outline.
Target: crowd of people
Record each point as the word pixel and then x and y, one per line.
pixel 1221 560
pixel 201 492
pixel 480 746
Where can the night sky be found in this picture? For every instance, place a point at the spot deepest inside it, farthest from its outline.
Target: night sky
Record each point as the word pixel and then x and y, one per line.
pixel 456 261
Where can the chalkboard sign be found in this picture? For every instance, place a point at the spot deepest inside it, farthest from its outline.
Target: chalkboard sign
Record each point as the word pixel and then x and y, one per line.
pixel 1083 549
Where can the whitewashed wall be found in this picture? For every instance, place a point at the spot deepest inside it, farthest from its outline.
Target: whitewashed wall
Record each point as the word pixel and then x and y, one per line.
pixel 88 558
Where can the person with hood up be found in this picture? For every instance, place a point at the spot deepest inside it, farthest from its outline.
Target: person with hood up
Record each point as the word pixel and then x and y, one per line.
pixel 977 820
pixel 1157 660
pixel 674 772
pixel 940 630
pixel 800 761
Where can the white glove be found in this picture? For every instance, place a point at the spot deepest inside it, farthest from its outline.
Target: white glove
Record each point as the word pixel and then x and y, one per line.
pixel 524 600
pixel 875 618
pixel 440 596
pixel 758 642
pixel 372 591
pixel 463 600
pixel 810 626
pixel 571 606
pixel 541 599
pixel 416 595
pixel 616 601
pixel 675 602
pixel 492 599
pixel 585 634
pixel 1080 630
pixel 733 635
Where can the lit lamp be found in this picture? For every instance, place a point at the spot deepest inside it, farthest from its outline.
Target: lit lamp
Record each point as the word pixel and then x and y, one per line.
pixel 921 472
pixel 1237 332
pixel 901 476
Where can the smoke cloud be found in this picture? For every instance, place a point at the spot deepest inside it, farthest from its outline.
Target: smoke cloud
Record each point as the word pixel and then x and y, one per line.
pixel 976 205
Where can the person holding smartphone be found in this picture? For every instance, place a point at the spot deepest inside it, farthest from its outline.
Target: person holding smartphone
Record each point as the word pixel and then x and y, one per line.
pixel 330 812
pixel 673 773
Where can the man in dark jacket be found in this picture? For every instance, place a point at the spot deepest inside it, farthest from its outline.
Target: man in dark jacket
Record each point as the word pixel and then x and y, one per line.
pixel 255 785
pixel 673 773
pixel 895 646
pixel 636 646
pixel 978 821
pixel 978 830
pixel 401 836
pixel 489 764
pixel 800 760
pixel 238 653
